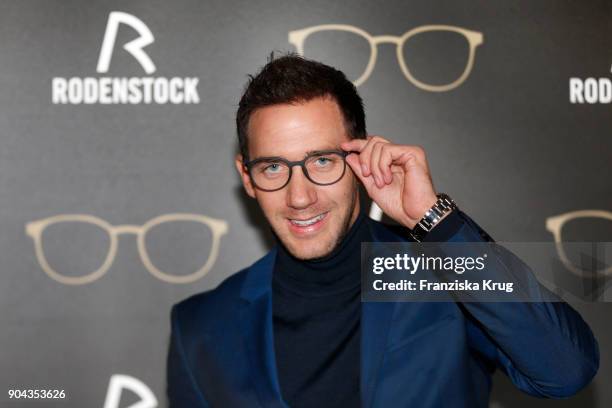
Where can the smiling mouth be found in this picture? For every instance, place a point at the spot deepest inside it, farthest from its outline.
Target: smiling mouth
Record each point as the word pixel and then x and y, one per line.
pixel 309 221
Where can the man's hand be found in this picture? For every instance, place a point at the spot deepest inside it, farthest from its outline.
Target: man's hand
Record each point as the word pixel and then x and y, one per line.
pixel 396 177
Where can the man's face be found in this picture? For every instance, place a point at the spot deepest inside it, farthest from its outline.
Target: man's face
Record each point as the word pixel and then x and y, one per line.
pixel 290 131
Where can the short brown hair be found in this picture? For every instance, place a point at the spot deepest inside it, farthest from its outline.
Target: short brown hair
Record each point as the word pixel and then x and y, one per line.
pixel 292 78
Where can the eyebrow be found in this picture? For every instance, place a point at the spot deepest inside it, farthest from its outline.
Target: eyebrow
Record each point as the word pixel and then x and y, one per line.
pixel 308 153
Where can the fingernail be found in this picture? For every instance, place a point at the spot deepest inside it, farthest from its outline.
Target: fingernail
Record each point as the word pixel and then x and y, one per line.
pixel 364 168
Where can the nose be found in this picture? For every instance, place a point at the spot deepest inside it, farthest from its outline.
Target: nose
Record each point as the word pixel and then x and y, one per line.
pixel 301 192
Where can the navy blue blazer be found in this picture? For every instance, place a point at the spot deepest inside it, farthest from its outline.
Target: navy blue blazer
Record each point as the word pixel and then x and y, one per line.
pixel 413 354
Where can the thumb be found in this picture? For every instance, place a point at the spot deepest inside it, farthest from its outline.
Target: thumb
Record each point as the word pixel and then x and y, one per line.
pixel 353 162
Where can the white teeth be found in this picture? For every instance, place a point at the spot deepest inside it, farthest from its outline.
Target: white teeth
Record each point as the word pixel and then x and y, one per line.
pixel 308 222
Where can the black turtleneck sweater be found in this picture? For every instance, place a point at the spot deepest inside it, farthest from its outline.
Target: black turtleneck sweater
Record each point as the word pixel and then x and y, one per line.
pixel 316 313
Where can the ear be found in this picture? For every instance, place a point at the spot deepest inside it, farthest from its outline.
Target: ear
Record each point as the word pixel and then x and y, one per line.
pixel 244 176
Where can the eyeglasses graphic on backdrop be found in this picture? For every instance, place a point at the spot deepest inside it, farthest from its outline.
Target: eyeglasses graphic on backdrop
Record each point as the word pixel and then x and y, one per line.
pixel 555 226
pixel 36 228
pixel 273 173
pixel 474 39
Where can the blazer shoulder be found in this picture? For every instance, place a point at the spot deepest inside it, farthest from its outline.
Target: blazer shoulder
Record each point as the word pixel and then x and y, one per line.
pixel 207 307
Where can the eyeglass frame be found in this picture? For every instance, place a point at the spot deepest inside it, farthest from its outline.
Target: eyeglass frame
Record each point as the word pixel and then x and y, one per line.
pixel 475 38
pixel 34 229
pixel 302 163
pixel 555 224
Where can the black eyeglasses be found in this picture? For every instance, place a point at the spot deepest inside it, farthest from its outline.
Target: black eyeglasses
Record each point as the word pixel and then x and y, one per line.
pixel 323 168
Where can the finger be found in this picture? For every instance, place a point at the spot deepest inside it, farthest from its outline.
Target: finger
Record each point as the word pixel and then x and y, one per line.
pixel 386 159
pixel 365 155
pixel 355 165
pixel 415 157
pixel 353 161
pixel 411 155
pixel 354 145
pixel 379 144
pixel 374 164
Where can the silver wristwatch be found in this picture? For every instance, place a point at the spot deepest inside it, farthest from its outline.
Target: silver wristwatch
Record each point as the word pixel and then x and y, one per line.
pixel 432 217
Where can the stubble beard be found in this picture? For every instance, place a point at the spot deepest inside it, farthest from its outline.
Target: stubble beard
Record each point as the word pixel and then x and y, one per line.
pixel 345 226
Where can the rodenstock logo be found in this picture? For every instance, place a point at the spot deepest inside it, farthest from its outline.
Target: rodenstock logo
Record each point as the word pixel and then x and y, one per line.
pixel 123 90
pixel 590 90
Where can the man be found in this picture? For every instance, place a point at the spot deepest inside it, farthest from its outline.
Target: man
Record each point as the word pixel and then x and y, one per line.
pixel 290 330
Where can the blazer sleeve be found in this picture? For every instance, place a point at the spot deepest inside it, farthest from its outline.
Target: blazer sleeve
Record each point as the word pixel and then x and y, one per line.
pixel 181 388
pixel 545 348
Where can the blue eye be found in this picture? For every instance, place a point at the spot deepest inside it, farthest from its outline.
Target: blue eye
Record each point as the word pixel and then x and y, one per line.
pixel 326 160
pixel 268 167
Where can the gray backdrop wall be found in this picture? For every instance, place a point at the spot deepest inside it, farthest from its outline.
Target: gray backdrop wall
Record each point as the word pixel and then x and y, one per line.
pixel 508 143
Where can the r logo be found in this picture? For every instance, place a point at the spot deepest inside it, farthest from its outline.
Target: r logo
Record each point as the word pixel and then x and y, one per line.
pixel 133 47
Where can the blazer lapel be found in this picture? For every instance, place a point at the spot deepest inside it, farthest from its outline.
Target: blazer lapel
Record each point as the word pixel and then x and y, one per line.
pixel 257 330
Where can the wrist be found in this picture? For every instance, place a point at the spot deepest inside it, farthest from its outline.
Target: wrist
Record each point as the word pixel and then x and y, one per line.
pixel 427 205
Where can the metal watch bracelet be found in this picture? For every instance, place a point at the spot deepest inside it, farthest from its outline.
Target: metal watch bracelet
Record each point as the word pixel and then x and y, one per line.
pixel 432 217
